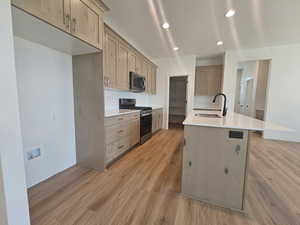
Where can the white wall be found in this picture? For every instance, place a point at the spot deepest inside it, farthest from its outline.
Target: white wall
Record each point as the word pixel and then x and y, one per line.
pixel 176 66
pixel 13 184
pixel 3 219
pixel 217 60
pixel 45 86
pixel 282 99
pixel 206 101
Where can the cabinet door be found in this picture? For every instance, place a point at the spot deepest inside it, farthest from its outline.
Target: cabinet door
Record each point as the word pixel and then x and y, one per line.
pixel 55 12
pixel 201 82
pixel 154 121
pixel 131 61
pixel 122 72
pixel 87 22
pixel 153 86
pixel 160 119
pixel 110 60
pixel 208 80
pixel 215 80
pixel 145 73
pixel 138 64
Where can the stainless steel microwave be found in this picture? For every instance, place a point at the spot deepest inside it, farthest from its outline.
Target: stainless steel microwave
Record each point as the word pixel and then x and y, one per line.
pixel 137 82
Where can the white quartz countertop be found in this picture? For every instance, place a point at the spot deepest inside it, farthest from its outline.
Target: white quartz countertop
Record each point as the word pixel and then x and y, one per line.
pixel 156 107
pixel 231 120
pixel 119 112
pixel 152 106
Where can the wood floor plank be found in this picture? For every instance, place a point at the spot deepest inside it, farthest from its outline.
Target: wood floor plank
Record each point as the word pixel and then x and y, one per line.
pixel 143 188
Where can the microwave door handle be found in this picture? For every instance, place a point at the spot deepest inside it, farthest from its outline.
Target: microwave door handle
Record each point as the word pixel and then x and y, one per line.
pixel 144 84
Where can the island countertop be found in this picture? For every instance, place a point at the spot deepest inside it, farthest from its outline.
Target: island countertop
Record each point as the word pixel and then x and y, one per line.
pixel 232 121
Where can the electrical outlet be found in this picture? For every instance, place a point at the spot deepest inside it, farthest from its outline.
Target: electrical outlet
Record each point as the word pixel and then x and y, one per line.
pixel 34 153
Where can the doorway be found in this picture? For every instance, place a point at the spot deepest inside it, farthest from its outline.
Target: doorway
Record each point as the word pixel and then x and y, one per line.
pixel 251 88
pixel 177 101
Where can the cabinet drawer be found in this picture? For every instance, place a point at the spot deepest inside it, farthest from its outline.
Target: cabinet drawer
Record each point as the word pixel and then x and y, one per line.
pixel 122 145
pixel 120 119
pixel 114 120
pixel 116 132
pixel 115 149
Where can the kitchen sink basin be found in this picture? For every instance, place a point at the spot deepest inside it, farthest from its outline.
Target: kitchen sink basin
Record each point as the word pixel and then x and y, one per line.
pixel 208 115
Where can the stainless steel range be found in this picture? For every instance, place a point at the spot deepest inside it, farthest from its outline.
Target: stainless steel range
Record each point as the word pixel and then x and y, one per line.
pixel 145 116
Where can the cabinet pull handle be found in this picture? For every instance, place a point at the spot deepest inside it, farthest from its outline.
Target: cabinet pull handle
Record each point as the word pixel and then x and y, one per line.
pixel 190 163
pixel 238 149
pixel 120 146
pixel 120 119
pixel 120 131
pixel 74 24
pixel 67 21
pixel 226 171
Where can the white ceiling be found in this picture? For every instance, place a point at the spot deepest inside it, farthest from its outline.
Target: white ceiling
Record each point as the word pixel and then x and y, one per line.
pixel 196 25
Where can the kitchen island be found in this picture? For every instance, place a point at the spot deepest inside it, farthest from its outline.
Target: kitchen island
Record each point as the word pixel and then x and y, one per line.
pixel 216 155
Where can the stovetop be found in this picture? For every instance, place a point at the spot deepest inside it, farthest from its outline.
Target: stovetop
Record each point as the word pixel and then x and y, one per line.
pixel 127 103
pixel 142 108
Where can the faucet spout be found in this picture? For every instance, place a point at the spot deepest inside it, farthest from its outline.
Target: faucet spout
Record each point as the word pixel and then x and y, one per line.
pixel 225 103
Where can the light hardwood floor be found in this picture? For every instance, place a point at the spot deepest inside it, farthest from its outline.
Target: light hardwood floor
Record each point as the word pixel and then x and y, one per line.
pixel 143 188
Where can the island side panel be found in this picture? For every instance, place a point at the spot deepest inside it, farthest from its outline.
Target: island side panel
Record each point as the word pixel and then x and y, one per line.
pixel 214 166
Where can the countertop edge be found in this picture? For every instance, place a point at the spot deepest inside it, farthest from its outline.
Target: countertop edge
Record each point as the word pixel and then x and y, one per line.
pixel 120 113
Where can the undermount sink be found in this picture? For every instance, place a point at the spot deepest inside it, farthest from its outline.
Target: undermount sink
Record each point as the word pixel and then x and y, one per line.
pixel 208 115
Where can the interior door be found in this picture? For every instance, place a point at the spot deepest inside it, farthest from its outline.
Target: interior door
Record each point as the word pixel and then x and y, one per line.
pixel 87 22
pixel 55 12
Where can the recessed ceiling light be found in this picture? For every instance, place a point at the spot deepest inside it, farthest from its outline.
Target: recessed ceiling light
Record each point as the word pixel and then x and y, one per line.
pixel 230 13
pixel 175 48
pixel 219 43
pixel 166 26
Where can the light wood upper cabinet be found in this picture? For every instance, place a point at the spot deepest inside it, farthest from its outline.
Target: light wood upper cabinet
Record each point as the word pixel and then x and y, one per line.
pixel 87 22
pixel 110 60
pixel 55 12
pixel 208 80
pixel 82 18
pixel 146 72
pixel 131 61
pixel 153 79
pixel 122 71
pixel 120 58
pixel 138 64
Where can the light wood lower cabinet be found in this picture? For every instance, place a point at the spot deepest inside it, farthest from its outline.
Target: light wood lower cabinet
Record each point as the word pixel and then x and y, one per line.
pixel 157 120
pixel 121 133
pixel 82 18
pixel 214 165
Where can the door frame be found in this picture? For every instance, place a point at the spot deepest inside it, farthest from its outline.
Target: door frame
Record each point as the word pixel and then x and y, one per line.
pixel 168 97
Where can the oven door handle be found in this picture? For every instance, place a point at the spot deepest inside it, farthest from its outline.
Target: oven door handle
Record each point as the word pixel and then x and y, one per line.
pixel 147 114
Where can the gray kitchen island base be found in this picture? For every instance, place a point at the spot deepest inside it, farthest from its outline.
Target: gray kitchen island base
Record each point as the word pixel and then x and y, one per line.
pixel 215 165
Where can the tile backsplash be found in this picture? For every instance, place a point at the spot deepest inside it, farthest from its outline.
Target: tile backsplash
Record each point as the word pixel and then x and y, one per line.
pixel 111 98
